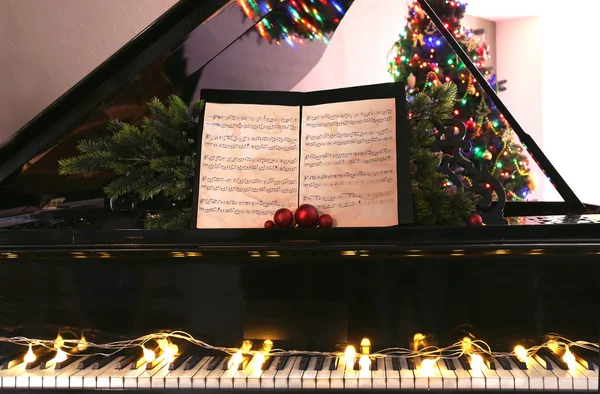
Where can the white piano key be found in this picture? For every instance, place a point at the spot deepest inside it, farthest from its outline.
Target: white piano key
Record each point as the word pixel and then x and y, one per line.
pixel 591 377
pixel 8 377
pixel 253 379
pixel 22 380
pixel 427 380
pixel 351 377
pixel 104 378
pixel 492 380
pixel 199 378
pixel 392 376
pixel 407 376
pixel 309 378
pixel 463 376
pixel 550 380
pixel 90 377
pixel 478 378
pixel 139 378
pixel 144 381
pixel 57 376
pixel 580 380
pixel 378 376
pixel 240 377
pixel 157 381
pixel 324 374
pixel 449 379
pixel 182 378
pixel 336 379
pixel 365 378
pixel 281 377
pixel 267 379
pixel 521 378
pixel 536 382
pixel 565 380
pixel 295 376
pixel 117 379
pixel 507 380
pixel 212 379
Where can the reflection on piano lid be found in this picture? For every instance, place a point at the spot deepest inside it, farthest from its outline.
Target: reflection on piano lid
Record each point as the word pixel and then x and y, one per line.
pixel 186 49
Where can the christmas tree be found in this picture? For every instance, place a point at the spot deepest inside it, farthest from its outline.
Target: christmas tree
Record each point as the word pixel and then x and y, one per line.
pixel 423 59
pixel 157 159
pixel 296 20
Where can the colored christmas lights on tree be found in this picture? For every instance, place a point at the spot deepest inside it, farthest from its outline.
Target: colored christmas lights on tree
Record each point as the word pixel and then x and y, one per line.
pixel 294 21
pixel 422 58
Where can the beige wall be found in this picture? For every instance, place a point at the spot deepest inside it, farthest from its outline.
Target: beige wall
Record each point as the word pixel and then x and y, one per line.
pixel 46 46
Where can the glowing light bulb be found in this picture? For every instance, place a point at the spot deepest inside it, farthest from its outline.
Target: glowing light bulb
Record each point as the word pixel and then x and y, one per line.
pixel 521 353
pixel 59 342
pixel 466 344
pixel 350 357
pixel 267 345
pixel 170 352
pixel 365 346
pixel 163 343
pixel 418 339
pixel 427 366
pixel 60 356
pixel 246 346
pixel 83 344
pixel 258 361
pixel 149 355
pixel 477 363
pixel 365 363
pixel 235 361
pixel 569 358
pixel 29 356
pixel 552 344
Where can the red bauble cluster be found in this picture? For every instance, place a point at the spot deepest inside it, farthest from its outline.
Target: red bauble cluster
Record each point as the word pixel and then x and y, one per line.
pixel 305 216
pixel 475 220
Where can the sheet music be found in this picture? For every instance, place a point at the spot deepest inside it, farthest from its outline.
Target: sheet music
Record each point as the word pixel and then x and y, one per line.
pixel 248 165
pixel 348 162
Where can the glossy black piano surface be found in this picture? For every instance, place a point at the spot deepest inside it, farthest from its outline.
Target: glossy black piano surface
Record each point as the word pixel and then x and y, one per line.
pixel 80 267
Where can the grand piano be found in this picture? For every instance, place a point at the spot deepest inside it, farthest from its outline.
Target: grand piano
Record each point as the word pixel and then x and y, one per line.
pixel 92 301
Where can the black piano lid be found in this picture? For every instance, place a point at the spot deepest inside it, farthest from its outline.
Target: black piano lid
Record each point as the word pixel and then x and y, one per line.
pixel 145 68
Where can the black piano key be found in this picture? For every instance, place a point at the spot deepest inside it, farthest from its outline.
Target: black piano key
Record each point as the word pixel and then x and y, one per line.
pixel 281 363
pixel 89 361
pixel 304 361
pixel 334 363
pixel 178 361
pixel 103 361
pixel 520 364
pixel 41 359
pixel 411 364
pixel 224 366
pixel 586 360
pixel 130 359
pixel 373 364
pixel 192 362
pixel 319 363
pixel 214 363
pixel 395 363
pixel 555 359
pixel 150 365
pixel 449 364
pixel 465 363
pixel 356 366
pixel 504 363
pixel 267 363
pixel 70 360
pixel 9 361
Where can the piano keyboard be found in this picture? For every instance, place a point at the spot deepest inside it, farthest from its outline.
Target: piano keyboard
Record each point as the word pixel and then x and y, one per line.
pixel 126 372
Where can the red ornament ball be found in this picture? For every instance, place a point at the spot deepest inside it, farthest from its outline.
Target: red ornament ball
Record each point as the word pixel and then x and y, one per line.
pixel 283 218
pixel 269 224
pixel 475 220
pixel 325 220
pixel 307 215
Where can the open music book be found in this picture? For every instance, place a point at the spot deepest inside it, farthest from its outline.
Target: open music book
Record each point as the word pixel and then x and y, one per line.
pixel 345 151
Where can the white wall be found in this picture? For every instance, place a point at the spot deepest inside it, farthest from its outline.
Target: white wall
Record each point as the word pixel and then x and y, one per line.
pixel 46 46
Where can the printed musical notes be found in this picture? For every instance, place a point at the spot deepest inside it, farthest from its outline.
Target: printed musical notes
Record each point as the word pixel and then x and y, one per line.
pixel 248 165
pixel 349 161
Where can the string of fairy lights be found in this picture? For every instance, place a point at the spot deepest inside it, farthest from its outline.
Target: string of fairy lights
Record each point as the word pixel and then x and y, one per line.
pixel 162 345
pixel 422 59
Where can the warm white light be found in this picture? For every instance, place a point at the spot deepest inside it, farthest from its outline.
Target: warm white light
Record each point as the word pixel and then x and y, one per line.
pixel 365 363
pixel 477 363
pixel 553 345
pixel 246 346
pixel 350 357
pixel 418 340
pixel 149 355
pixel 427 366
pixel 29 356
pixel 365 346
pixel 267 345
pixel 466 344
pixel 59 342
pixel 521 353
pixel 258 360
pixel 60 356
pixel 569 358
pixel 82 344
pixel 163 343
pixel 170 352
pixel 235 361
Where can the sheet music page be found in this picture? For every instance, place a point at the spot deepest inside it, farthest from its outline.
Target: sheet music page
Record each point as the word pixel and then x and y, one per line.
pixel 348 162
pixel 248 164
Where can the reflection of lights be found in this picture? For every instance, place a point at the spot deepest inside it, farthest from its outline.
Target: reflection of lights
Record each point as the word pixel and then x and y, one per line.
pixel 553 345
pixel 365 363
pixel 350 357
pixel 569 358
pixel 149 355
pixel 29 356
pixel 521 353
pixel 258 361
pixel 427 366
pixel 235 361
pixel 477 363
pixel 60 356
pixel 170 352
